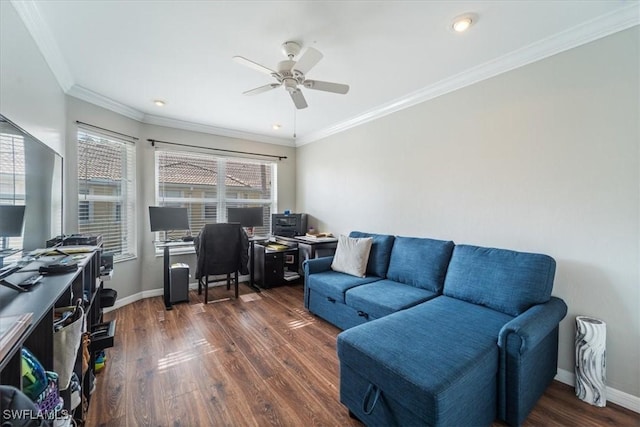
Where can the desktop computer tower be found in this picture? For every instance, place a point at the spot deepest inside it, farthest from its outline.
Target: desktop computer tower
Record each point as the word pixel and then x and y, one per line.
pixel 179 283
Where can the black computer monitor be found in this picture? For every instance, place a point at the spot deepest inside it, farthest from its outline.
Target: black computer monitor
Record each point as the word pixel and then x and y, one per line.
pixel 168 219
pixel 11 220
pixel 247 217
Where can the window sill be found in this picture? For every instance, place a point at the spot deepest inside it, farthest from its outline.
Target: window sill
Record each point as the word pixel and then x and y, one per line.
pixel 177 251
pixel 123 259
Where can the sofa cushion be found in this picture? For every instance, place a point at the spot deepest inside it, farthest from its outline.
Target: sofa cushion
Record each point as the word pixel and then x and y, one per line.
pixel 505 280
pixel 381 298
pixel 334 284
pixel 352 255
pixel 427 355
pixel 420 262
pixel 380 252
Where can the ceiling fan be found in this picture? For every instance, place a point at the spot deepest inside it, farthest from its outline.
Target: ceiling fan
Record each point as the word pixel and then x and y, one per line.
pixel 291 74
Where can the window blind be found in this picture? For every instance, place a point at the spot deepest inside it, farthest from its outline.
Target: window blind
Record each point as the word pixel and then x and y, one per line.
pixel 207 185
pixel 12 178
pixel 106 191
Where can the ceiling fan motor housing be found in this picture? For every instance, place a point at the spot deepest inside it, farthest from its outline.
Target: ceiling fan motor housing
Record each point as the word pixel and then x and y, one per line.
pixel 290 49
pixel 284 67
pixel 288 77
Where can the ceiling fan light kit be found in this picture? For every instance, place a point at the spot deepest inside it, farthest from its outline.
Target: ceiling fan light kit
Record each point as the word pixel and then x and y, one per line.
pixel 291 74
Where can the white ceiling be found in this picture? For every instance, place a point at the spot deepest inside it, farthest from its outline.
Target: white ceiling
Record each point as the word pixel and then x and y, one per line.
pixel 124 54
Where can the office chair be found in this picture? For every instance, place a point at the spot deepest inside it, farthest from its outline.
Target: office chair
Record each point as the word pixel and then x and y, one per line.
pixel 221 249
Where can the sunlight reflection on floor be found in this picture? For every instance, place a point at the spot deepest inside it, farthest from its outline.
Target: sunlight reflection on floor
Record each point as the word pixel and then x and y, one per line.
pixel 200 348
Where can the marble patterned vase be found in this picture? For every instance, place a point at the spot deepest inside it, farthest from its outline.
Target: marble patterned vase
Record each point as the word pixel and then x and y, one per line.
pixel 591 338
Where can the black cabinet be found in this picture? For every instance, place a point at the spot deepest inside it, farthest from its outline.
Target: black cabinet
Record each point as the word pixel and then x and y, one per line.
pixel 275 267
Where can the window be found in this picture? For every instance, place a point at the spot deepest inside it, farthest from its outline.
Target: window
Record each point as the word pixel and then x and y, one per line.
pixel 83 211
pixel 106 191
pixel 207 185
pixel 12 178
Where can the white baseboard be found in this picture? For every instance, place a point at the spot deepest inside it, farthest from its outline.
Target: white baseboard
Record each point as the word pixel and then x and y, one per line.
pixel 121 302
pixel 618 397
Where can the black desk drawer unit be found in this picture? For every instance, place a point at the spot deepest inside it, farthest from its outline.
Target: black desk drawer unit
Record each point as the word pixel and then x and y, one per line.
pixel 274 268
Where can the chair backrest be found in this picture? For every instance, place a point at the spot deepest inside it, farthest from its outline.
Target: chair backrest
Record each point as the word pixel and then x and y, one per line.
pixel 219 249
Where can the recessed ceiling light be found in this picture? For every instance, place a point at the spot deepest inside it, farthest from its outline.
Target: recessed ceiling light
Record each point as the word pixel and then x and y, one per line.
pixel 276 126
pixel 463 22
pixel 159 102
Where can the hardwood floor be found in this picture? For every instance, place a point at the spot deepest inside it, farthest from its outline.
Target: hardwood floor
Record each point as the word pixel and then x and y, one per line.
pixel 260 360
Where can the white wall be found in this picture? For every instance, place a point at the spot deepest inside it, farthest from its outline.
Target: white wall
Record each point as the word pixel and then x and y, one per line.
pixel 544 158
pixel 29 93
pixel 133 277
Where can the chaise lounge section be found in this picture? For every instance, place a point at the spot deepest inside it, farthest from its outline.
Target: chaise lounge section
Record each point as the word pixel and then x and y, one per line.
pixel 440 334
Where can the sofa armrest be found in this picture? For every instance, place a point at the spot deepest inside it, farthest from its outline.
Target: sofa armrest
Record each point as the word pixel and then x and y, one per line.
pixel 528 359
pixel 317 265
pixel 535 324
pixel 313 266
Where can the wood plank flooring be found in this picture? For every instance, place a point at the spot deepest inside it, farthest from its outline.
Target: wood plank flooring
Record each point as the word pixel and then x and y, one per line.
pixel 256 361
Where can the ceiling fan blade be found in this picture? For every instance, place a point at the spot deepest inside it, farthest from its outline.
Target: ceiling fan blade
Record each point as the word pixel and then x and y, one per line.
pixel 326 86
pixel 261 89
pixel 298 99
pixel 310 58
pixel 249 63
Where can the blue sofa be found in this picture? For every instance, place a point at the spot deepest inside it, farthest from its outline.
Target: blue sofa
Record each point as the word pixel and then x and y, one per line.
pixel 440 334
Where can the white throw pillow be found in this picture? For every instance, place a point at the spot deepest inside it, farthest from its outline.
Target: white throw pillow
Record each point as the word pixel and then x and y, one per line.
pixel 352 255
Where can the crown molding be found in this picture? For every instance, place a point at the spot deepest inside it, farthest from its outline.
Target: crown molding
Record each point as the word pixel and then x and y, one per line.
pixel 39 30
pixel 617 20
pixel 613 22
pixel 117 107
pixel 104 102
pixel 214 130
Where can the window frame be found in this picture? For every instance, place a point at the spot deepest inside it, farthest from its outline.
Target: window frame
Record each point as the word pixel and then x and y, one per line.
pixel 125 193
pixel 220 202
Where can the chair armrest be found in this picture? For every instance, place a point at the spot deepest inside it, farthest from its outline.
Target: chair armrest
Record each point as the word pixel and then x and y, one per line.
pixel 535 324
pixel 317 265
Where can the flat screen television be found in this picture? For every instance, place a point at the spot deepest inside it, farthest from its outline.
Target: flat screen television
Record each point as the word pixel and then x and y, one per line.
pixel 11 220
pixel 30 176
pixel 247 217
pixel 168 219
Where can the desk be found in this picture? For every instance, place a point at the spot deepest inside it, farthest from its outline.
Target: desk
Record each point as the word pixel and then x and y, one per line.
pixel 311 247
pixel 166 246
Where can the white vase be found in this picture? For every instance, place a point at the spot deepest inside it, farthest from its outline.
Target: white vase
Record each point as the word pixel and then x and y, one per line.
pixel 591 339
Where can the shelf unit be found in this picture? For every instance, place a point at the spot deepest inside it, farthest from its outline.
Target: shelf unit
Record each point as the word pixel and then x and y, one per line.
pixel 52 292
